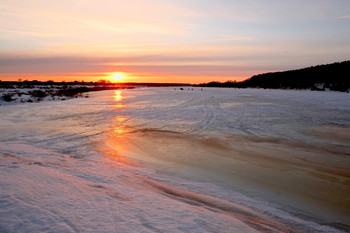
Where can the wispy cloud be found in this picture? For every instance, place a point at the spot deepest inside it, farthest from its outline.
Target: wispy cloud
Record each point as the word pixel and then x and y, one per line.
pixel 344 17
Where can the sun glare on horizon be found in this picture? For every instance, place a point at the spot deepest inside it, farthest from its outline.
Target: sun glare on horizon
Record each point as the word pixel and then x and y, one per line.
pixel 118 77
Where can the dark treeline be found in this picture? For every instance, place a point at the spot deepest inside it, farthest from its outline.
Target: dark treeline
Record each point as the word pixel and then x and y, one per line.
pixel 335 76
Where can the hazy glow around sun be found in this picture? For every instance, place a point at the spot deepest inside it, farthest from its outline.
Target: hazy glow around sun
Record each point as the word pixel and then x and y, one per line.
pixel 118 76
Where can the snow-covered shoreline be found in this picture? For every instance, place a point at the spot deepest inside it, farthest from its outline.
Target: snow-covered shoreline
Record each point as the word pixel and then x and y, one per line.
pixel 35 94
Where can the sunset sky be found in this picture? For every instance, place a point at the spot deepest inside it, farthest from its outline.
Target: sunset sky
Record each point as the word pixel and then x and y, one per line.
pixel 179 41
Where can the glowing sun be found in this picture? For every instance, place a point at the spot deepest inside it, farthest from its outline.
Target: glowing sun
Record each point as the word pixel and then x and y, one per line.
pixel 118 77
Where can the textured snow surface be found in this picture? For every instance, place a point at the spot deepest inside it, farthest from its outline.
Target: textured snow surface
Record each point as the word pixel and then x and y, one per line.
pixel 67 166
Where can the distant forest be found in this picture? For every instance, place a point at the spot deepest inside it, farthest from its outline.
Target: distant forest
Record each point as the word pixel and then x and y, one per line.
pixel 335 77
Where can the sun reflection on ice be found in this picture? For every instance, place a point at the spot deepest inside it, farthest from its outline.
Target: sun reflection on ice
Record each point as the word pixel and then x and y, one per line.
pixel 117 142
pixel 118 96
pixel 119 129
pixel 120 118
pixel 114 156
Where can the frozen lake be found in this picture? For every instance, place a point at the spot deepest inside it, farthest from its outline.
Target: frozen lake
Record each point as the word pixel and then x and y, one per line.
pixel 171 160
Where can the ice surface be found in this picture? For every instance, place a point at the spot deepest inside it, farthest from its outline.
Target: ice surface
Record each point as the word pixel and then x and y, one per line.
pixel 165 160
